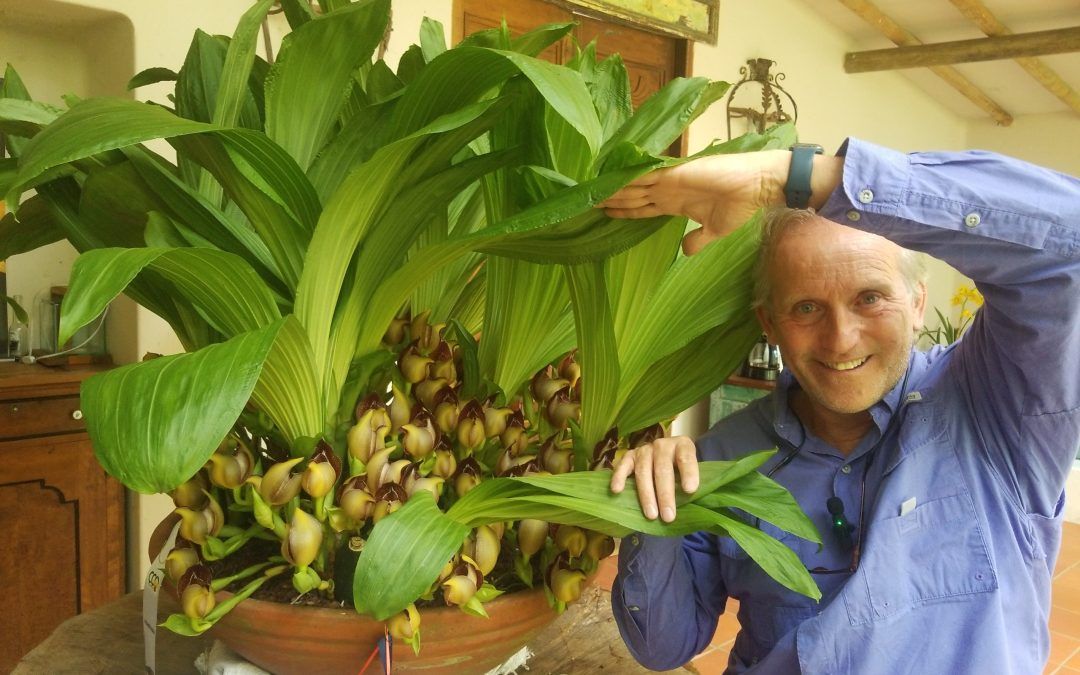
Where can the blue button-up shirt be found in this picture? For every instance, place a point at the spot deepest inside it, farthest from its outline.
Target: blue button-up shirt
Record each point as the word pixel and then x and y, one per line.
pixel 961 476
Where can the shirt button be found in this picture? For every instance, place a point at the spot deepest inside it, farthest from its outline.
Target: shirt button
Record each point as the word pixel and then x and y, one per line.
pixel 634 608
pixel 854 216
pixel 972 220
pixel 866 196
pixel 846 468
pixel 635 540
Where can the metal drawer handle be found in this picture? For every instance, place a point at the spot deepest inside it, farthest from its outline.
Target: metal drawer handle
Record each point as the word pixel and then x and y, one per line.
pixel 14 408
pixel 76 415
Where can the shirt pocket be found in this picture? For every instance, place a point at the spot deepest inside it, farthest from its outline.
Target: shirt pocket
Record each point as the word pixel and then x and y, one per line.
pixel 935 553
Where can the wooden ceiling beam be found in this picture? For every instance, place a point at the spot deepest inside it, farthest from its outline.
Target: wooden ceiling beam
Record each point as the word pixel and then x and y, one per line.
pixel 903 38
pixel 1057 41
pixel 979 15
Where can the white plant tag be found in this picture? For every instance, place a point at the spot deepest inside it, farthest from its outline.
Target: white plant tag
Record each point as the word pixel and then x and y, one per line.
pixel 150 601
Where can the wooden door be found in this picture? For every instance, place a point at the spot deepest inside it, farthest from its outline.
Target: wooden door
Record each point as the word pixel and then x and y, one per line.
pixel 651 59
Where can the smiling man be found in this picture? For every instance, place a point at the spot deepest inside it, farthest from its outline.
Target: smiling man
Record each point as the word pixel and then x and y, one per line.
pixel 936 478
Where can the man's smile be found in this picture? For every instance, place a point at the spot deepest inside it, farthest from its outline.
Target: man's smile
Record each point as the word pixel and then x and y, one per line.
pixel 845 365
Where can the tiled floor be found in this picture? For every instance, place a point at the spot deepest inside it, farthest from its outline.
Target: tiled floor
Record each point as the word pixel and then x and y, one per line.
pixel 1064 615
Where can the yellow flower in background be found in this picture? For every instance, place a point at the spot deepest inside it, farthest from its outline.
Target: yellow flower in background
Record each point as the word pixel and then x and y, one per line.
pixel 969 300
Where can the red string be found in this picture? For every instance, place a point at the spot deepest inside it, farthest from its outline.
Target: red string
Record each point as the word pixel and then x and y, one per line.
pixel 369 660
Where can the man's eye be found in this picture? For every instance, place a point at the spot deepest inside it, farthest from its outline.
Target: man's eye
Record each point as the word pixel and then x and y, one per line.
pixel 804 308
pixel 871 298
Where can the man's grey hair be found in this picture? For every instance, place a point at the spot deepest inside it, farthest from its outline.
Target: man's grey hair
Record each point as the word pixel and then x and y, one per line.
pixel 777 221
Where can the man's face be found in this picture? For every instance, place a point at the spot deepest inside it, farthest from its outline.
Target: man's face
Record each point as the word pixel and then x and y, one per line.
pixel 841 314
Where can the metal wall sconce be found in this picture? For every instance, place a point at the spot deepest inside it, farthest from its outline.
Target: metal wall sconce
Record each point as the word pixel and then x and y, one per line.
pixel 772 110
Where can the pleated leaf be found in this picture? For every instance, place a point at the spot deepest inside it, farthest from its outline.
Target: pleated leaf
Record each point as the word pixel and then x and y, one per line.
pixel 404 555
pixel 766 499
pixel 223 287
pixel 308 84
pixel 287 389
pixel 154 424
pixel 35 228
pixel 597 351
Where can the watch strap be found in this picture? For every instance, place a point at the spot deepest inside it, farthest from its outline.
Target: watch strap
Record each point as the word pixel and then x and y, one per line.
pixel 797 189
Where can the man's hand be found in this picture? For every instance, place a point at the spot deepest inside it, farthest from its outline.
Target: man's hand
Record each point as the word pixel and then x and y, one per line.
pixel 653 467
pixel 720 192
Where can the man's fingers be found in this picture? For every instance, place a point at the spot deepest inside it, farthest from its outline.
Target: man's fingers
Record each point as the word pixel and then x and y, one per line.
pixel 622 471
pixel 645 490
pixel 687 463
pixel 664 476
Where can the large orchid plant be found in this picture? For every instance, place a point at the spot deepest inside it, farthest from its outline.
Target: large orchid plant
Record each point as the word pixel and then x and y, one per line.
pixel 408 328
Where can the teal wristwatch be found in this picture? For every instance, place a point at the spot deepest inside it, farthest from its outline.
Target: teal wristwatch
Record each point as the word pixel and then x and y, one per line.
pixel 797 188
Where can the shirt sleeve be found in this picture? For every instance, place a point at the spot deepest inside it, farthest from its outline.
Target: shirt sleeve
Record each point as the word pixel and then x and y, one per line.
pixel 667 597
pixel 1014 228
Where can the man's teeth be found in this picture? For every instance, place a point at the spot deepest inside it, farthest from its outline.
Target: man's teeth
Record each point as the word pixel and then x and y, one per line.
pixel 846 365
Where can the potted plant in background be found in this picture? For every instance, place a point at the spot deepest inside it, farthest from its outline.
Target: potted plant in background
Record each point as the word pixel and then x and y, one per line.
pixel 410 336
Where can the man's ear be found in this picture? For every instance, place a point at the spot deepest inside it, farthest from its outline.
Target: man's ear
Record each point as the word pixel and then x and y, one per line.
pixel 918 317
pixel 766 322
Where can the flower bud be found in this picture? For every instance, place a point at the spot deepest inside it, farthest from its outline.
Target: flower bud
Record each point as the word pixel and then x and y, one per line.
pixel 191 493
pixel 468 476
pixel 400 409
pixel 376 468
pixel 404 624
pixel 419 324
pixel 604 452
pixel 445 464
pixel 231 464
pixel 418 441
pixel 196 597
pixel 483 547
pixel 545 383
pixel 414 366
pixel 430 338
pixel 531 535
pixel 395 333
pixel 322 472
pixel 196 526
pixel 514 438
pixel 566 584
pixel 495 420
pixel 570 369
pixel 279 484
pixel 303 538
pixel 570 539
pixel 525 465
pixel 443 366
pixel 458 590
pixel 355 500
pixel 368 434
pixel 561 409
pixel 396 471
pixel 432 484
pixel 557 455
pixel 598 545
pixel 462 585
pixel 445 414
pixel 388 498
pixel 180 560
pixel 470 431
pixel 426 391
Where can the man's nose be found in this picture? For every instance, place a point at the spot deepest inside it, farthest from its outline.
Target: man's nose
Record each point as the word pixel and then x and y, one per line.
pixel 842 332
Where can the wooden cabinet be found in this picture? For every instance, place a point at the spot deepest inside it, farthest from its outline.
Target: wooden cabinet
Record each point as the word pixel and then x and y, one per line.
pixel 61 516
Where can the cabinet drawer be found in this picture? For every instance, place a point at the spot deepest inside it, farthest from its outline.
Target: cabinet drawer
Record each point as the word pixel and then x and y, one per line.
pixel 21 418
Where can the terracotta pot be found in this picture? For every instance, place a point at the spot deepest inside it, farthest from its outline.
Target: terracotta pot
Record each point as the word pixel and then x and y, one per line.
pixel 286 639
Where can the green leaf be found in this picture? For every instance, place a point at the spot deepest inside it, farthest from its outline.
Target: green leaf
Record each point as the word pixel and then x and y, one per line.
pixel 287 390
pixel 777 560
pixel 766 499
pixel 154 424
pixel 223 287
pixel 308 84
pixel 597 352
pixel 152 76
pixel 16 309
pixel 35 228
pixel 432 38
pixel 535 41
pixel 418 533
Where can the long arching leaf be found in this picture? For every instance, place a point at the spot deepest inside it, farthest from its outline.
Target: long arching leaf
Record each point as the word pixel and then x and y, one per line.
pixel 154 424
